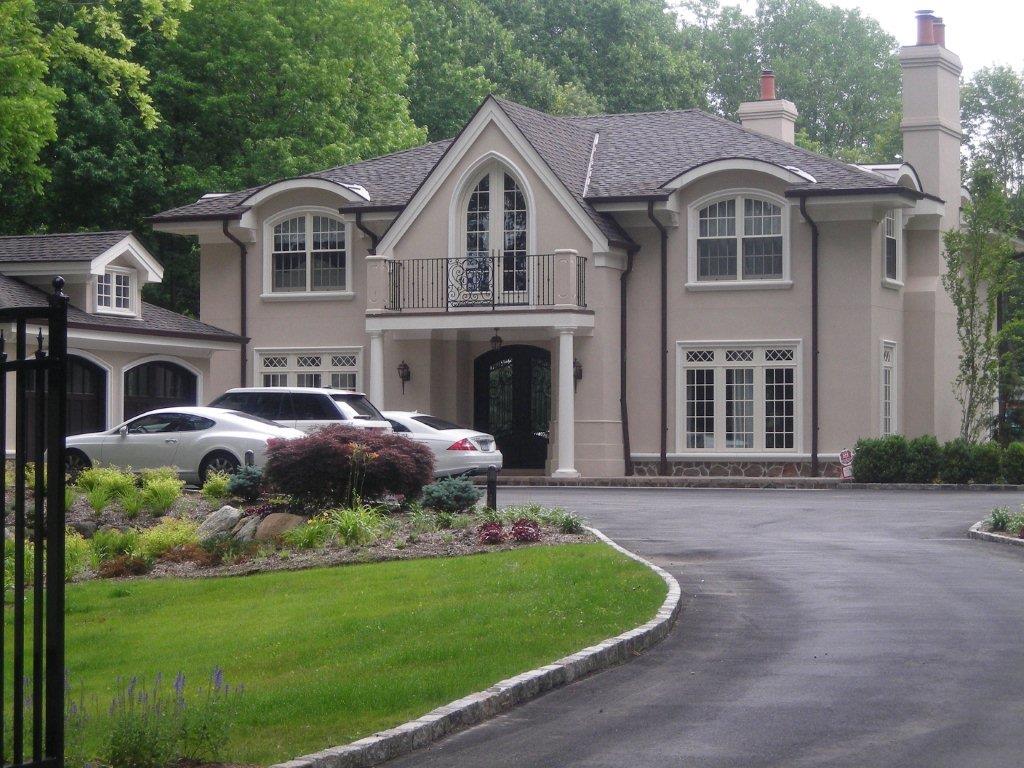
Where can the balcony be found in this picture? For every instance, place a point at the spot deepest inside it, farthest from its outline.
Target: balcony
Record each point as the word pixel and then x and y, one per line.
pixel 479 282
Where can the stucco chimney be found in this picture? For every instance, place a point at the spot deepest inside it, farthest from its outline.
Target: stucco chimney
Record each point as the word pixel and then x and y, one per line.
pixel 770 116
pixel 931 111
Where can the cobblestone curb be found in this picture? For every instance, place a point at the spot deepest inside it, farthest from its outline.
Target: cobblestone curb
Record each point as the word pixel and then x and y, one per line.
pixel 976 532
pixel 502 696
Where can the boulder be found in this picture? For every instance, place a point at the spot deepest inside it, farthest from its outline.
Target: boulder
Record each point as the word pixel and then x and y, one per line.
pixel 219 523
pixel 277 523
pixel 245 531
pixel 85 527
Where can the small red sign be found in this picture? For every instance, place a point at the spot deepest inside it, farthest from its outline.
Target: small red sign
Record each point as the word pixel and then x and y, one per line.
pixel 846 457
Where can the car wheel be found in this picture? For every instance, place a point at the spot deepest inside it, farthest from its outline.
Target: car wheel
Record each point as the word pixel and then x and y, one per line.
pixel 75 462
pixel 219 461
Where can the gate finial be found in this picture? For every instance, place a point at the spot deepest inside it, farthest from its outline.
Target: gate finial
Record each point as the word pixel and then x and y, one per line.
pixel 58 287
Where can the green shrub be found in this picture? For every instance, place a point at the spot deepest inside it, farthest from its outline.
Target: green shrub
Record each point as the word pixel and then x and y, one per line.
pixel 165 535
pixel 1015 525
pixel 98 497
pixel 957 462
pixel 131 503
pixel 77 554
pixel 1000 518
pixel 924 460
pixel 111 543
pixel 246 483
pixel 216 486
pixel 532 512
pixel 9 558
pixel 565 522
pixel 357 525
pixel 880 460
pixel 160 493
pixel 313 534
pixel 1013 464
pixel 451 494
pixel 158 473
pixel 422 521
pixel 987 462
pixel 116 481
pixel 69 497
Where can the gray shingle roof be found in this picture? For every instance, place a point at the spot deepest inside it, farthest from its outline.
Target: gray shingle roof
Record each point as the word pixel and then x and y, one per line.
pixel 154 321
pixel 72 246
pixel 637 155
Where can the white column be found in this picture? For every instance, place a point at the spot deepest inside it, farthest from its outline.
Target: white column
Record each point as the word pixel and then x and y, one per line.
pixel 566 407
pixel 377 368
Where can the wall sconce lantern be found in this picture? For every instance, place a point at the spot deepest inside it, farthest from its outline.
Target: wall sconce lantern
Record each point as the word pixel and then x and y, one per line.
pixel 404 373
pixel 577 373
pixel 496 341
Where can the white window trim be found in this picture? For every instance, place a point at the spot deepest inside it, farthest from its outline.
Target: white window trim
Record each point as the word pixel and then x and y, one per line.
pixel 758 450
pixel 309 211
pixel 693 229
pixel 133 293
pixel 888 282
pixel 887 344
pixel 260 352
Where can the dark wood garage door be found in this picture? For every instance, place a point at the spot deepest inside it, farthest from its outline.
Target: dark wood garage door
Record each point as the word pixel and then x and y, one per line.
pixel 87 399
pixel 158 384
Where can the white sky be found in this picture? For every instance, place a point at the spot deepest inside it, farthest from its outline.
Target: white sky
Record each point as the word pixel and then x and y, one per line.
pixel 980 32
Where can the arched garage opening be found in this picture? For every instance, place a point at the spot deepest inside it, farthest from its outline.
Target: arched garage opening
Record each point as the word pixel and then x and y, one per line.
pixel 158 384
pixel 86 399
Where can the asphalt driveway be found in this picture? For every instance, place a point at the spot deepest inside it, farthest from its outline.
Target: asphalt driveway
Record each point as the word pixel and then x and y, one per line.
pixel 819 628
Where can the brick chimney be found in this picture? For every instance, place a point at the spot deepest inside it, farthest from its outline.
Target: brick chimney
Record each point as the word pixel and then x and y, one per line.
pixel 931 112
pixel 770 116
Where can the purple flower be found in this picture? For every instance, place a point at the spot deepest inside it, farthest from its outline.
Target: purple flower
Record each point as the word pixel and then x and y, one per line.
pixel 218 678
pixel 179 683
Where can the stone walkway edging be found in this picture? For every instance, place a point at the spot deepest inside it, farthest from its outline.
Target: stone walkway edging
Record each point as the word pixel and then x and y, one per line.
pixel 503 696
pixel 976 532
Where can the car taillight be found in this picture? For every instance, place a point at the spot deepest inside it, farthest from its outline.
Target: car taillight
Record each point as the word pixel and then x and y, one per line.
pixel 463 445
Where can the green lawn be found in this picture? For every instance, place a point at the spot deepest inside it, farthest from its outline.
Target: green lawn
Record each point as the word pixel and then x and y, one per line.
pixel 334 654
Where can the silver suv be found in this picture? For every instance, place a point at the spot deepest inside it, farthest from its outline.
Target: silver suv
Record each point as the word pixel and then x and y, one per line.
pixel 305 408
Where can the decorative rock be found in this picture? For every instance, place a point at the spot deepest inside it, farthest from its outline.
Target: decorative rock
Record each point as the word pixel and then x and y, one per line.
pixel 276 524
pixel 85 527
pixel 219 523
pixel 245 531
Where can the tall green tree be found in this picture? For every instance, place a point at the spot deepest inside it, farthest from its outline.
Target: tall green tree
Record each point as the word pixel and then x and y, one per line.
pixel 980 268
pixel 838 66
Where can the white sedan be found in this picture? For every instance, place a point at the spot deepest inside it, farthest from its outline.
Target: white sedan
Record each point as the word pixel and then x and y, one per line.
pixel 195 440
pixel 457 451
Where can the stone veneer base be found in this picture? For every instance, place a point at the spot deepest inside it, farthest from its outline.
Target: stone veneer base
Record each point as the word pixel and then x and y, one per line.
pixel 502 696
pixel 976 532
pixel 738 468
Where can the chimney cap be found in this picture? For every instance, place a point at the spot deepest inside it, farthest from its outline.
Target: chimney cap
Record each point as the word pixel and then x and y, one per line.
pixel 925 27
pixel 767 85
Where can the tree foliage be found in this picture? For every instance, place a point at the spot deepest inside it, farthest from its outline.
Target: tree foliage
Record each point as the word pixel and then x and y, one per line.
pixel 979 268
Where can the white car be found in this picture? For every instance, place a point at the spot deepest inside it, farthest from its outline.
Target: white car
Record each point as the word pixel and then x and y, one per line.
pixel 457 451
pixel 305 408
pixel 193 439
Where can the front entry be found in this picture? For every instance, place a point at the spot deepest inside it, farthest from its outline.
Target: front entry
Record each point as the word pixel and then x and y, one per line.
pixel 512 401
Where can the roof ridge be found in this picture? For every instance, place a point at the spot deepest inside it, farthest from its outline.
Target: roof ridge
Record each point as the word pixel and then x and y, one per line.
pixel 637 114
pixel 70 234
pixel 368 159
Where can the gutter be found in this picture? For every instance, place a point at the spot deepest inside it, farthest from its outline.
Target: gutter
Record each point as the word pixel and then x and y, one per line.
pixel 374 238
pixel 243 322
pixel 627 453
pixel 814 335
pixel 663 455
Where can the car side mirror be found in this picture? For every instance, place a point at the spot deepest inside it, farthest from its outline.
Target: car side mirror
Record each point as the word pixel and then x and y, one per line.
pixel 123 431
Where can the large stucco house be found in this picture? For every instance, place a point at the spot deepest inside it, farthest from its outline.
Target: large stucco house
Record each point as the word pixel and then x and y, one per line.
pixel 665 292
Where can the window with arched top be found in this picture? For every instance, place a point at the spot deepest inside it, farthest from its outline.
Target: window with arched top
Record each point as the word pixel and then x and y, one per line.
pixel 739 237
pixel 495 227
pixel 308 254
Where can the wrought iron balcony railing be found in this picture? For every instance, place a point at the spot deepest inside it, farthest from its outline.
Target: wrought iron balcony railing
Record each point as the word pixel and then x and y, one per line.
pixel 485 281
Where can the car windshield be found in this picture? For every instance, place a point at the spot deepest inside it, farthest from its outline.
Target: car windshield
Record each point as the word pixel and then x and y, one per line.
pixel 435 423
pixel 357 407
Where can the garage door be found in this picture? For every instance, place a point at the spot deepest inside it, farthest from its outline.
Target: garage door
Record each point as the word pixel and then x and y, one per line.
pixel 86 399
pixel 158 384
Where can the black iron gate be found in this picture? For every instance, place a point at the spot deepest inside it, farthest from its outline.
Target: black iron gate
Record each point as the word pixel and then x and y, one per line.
pixel 32 719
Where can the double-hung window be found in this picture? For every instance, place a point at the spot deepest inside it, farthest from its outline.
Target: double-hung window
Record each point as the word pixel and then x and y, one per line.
pixel 114 291
pixel 308 255
pixel 739 238
pixel 739 397
pixel 337 368
pixel 891 246
pixel 887 399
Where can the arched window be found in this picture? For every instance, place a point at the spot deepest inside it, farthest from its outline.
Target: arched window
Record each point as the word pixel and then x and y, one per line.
pixel 496 233
pixel 308 254
pixel 740 237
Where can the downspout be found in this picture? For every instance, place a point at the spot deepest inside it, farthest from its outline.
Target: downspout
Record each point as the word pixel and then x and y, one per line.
pixel 663 456
pixel 814 335
pixel 623 357
pixel 243 323
pixel 374 239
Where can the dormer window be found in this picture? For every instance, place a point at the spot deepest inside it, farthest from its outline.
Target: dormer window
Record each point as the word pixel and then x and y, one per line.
pixel 308 255
pixel 891 247
pixel 739 238
pixel 114 290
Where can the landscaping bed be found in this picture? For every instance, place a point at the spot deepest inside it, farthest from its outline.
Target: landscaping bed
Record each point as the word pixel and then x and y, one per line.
pixel 1005 523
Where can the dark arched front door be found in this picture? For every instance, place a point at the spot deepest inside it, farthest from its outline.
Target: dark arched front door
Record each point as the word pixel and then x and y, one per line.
pixel 86 399
pixel 512 401
pixel 157 384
